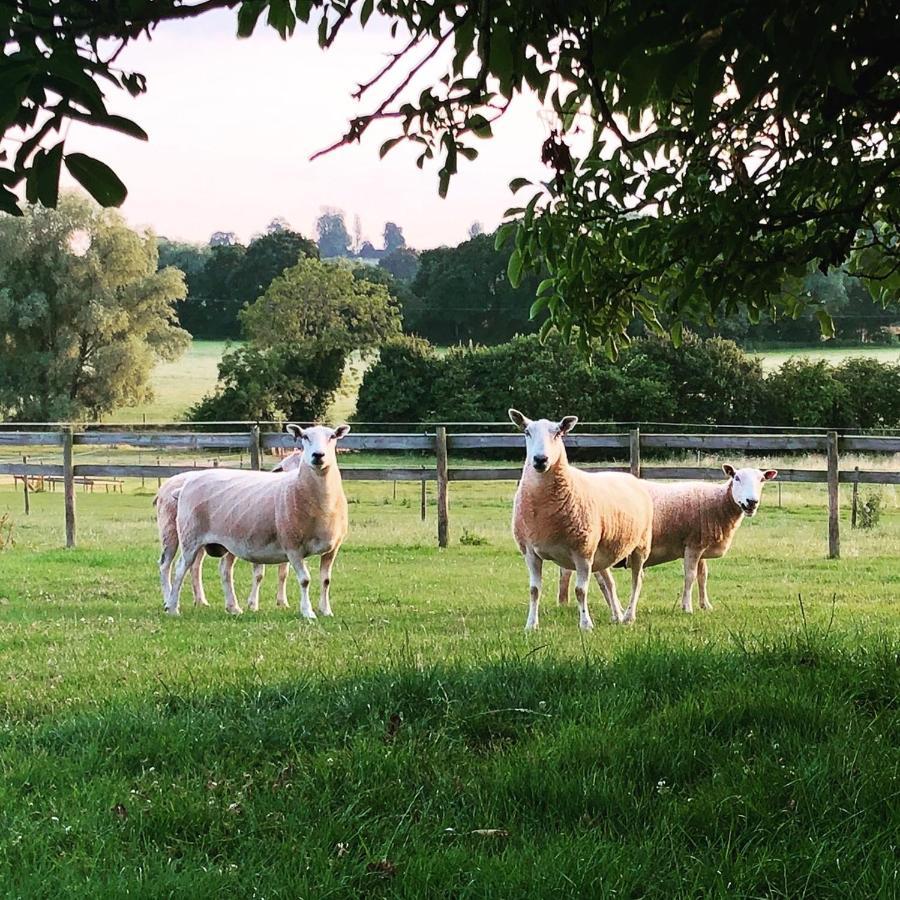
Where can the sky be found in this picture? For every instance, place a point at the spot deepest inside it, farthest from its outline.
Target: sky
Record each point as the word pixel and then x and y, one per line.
pixel 233 124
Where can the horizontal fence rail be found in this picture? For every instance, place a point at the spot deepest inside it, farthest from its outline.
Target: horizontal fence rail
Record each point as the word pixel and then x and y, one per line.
pixel 438 443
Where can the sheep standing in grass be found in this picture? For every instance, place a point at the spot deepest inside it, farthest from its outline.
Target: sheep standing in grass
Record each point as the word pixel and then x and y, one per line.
pixel 578 520
pixel 166 503
pixel 696 521
pixel 267 519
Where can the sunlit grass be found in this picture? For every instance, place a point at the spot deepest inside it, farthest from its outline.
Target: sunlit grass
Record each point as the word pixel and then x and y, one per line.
pixel 419 744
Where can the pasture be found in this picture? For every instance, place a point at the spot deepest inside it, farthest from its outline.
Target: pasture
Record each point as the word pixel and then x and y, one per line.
pixel 420 744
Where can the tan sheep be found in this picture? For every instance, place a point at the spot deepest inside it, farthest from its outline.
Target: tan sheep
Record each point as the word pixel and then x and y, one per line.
pixel 578 520
pixel 696 521
pixel 166 503
pixel 264 519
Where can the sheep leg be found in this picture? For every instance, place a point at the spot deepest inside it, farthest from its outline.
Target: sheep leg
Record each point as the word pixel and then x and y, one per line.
pixel 582 579
pixel 197 579
pixel 325 578
pixel 188 557
pixel 607 585
pixel 166 560
pixel 702 573
pixel 691 560
pixel 535 567
pixel 281 599
pixel 565 576
pixel 226 571
pixel 299 564
pixel 259 573
pixel 636 564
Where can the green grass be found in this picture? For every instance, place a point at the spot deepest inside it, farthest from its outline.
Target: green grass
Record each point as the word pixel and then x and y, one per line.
pixel 177 385
pixel 750 752
pixel 772 359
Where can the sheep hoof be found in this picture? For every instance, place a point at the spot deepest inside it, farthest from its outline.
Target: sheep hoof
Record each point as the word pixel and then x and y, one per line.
pixel 253 607
pixel 308 615
pixel 172 611
pixel 201 602
pixel 628 619
pixel 530 626
pixel 326 612
pixel 587 625
pixel 282 604
pixel 234 610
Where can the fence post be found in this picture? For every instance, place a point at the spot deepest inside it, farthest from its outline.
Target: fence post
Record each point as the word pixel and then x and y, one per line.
pixel 853 506
pixel 69 484
pixel 423 499
pixel 635 452
pixel 25 484
pixel 440 449
pixel 255 459
pixel 834 498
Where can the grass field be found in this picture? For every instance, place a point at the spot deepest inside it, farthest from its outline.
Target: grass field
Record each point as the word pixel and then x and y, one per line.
pixel 772 359
pixel 420 744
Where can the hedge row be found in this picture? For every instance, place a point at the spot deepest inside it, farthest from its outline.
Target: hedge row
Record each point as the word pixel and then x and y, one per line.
pixel 709 381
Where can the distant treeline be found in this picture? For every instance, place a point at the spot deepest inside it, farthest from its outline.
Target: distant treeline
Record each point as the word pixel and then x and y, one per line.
pixel 458 295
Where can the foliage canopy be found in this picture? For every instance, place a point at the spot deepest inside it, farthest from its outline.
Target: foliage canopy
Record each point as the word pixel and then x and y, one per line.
pixel 701 154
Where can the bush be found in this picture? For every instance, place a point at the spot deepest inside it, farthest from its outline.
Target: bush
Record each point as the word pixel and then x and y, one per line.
pixel 869 395
pixel 803 392
pixel 399 386
pixel 274 384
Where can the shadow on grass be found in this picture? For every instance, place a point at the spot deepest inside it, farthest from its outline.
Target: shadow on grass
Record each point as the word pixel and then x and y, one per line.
pixel 667 772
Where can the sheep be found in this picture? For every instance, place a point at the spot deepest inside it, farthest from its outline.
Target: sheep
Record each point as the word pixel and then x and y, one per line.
pixel 166 503
pixel 251 515
pixel 696 521
pixel 577 519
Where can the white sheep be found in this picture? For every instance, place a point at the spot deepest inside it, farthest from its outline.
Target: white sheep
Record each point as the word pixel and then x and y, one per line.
pixel 696 521
pixel 579 520
pixel 166 503
pixel 265 520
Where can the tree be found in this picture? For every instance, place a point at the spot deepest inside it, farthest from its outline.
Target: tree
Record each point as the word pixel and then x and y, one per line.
pixel 81 331
pixel 402 264
pixel 278 223
pixel 223 239
pixel 300 333
pixel 267 257
pixel 393 237
pixel 333 237
pixel 726 148
pixel 464 295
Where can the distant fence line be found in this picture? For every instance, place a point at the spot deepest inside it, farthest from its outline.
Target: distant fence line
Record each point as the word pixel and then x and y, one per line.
pixel 442 443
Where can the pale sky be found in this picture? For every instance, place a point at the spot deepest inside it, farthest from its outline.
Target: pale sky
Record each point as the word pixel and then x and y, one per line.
pixel 232 125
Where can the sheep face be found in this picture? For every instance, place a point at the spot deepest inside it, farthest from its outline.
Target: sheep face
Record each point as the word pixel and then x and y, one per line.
pixel 318 444
pixel 543 439
pixel 747 485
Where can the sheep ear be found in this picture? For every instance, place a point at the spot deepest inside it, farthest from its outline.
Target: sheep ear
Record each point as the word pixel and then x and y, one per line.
pixel 278 468
pixel 295 431
pixel 341 431
pixel 567 423
pixel 518 419
pixel 728 470
pixel 770 474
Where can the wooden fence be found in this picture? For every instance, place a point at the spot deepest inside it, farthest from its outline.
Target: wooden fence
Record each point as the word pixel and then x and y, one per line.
pixel 442 444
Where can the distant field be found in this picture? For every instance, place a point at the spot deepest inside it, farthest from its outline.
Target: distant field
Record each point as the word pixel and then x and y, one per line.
pixel 772 359
pixel 180 384
pixel 177 385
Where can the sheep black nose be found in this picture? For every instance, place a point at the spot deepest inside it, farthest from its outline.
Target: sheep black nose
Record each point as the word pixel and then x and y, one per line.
pixel 317 458
pixel 540 462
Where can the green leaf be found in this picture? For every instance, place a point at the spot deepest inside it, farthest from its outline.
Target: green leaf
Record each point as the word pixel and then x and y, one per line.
pixel 366 11
pixel 676 332
pixel 537 307
pixel 9 202
pixel 479 126
pixel 389 145
pixel 443 182
pixel 43 177
pixel 503 232
pixel 248 15
pixel 518 183
pixel 826 323
pixel 121 124
pixel 97 178
pixel 514 268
